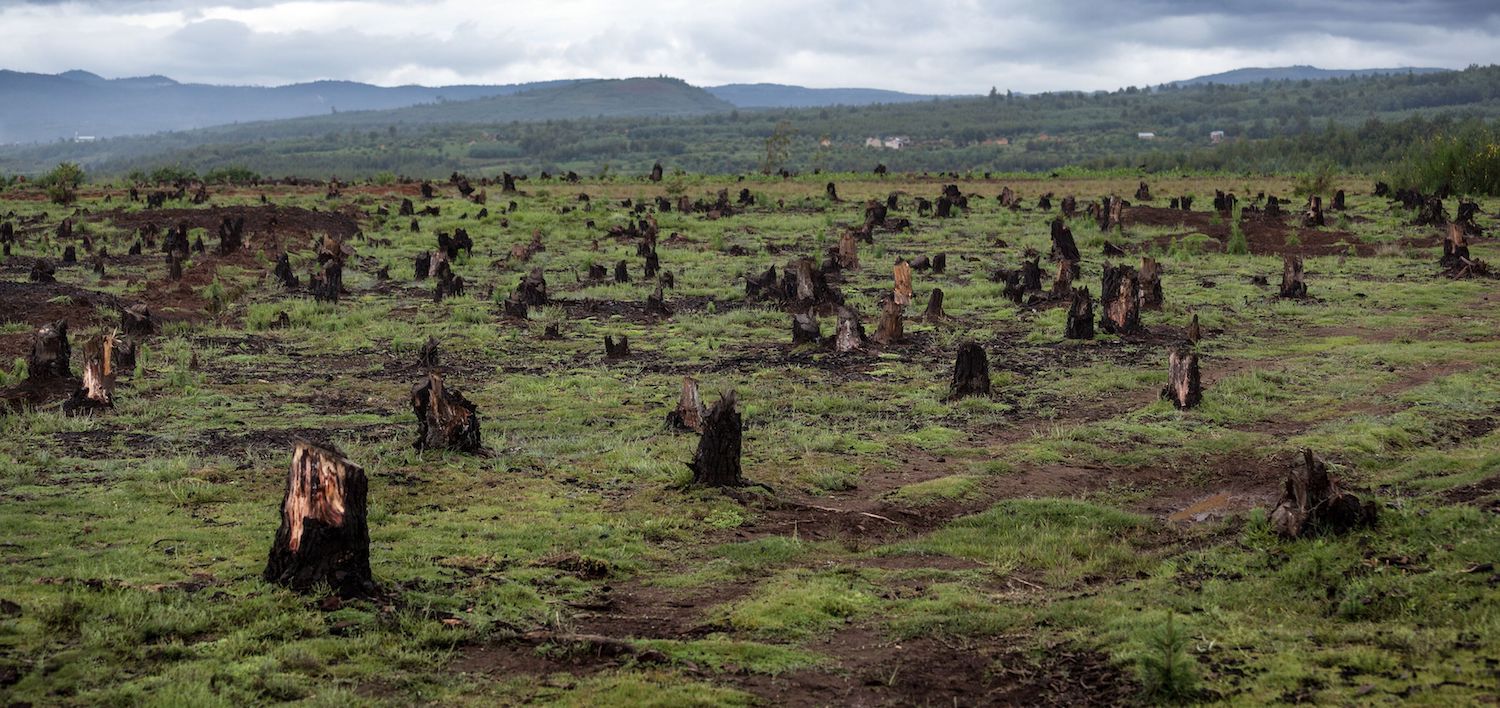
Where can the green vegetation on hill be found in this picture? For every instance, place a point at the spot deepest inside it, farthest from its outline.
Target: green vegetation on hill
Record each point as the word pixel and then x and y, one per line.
pixel 1364 123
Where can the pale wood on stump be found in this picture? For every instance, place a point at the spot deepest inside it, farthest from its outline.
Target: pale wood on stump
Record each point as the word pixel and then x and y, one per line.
pixel 716 463
pixel 97 391
pixel 445 419
pixel 690 411
pixel 1184 388
pixel 902 290
pixel 805 329
pixel 850 334
pixel 1312 501
pixel 1293 281
pixel 324 538
pixel 889 330
pixel 847 255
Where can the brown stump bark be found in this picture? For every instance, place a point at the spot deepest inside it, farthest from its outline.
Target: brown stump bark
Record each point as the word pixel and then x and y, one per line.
pixel 97 391
pixel 1293 281
pixel 1069 206
pixel 622 273
pixel 939 263
pixel 533 288
pixel 1143 193
pixel 231 235
pixel 971 372
pixel 1194 334
pixel 848 252
pixel 1312 502
pixel 445 419
pixel 1313 216
pixel 50 352
pixel 429 354
pixel 1150 284
pixel 1338 201
pixel 716 463
pixel 656 303
pixel 136 320
pixel 283 273
pixel 1080 315
pixel 614 349
pixel 690 411
pixel 1184 388
pixel 935 311
pixel 1031 275
pixel 655 175
pixel 1120 301
pixel 1455 247
pixel 323 538
pixel 902 290
pixel 1062 283
pixel 890 328
pixel 849 335
pixel 514 307
pixel 805 329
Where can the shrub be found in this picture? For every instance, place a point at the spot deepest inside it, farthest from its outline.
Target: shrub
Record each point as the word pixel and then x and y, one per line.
pixel 1466 161
pixel 62 182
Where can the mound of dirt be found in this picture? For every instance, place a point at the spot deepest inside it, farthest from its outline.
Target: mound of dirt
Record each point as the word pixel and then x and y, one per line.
pixel 278 222
pixel 1265 235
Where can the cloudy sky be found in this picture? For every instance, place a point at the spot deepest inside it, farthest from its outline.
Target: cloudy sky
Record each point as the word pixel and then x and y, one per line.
pixel 946 46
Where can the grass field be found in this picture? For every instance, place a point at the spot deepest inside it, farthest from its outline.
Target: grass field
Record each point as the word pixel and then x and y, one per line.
pixel 1071 539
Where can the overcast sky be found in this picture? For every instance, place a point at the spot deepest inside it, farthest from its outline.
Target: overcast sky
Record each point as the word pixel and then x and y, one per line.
pixel 952 46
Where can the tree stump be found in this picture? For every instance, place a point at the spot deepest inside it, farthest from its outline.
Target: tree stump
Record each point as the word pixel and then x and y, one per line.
pixel 889 330
pixel 971 372
pixel 1313 215
pixel 939 263
pixel 284 273
pixel 1455 247
pixel 1120 301
pixel 832 192
pixel 1064 248
pixel 1184 388
pixel 445 419
pixel 656 303
pixel 507 183
pixel 514 307
pixel 1312 502
pixel 901 274
pixel 70 255
pixel 50 352
pixel 716 463
pixel 1080 315
pixel 1150 284
pixel 690 412
pixel 622 273
pixel 1062 283
pixel 533 288
pixel 614 349
pixel 323 538
pixel 1338 201
pixel 847 255
pixel 805 329
pixel 597 272
pixel 1143 193
pixel 935 311
pixel 231 235
pixel 1031 275
pixel 42 272
pixel 136 320
pixel 655 175
pixel 407 208
pixel 97 391
pixel 429 354
pixel 849 334
pixel 762 286
pixel 944 208
pixel 1194 333
pixel 1293 281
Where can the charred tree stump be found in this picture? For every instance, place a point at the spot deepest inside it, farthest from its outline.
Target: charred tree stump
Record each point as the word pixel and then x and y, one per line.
pixel 1194 333
pixel 598 272
pixel 935 311
pixel 1120 301
pixel 284 274
pixel 971 372
pixel 1293 281
pixel 533 288
pixel 655 175
pixel 614 349
pixel 1455 248
pixel 849 334
pixel 422 265
pixel 832 192
pixel 944 208
pixel 136 321
pixel 97 391
pixel 1080 315
pixel 1184 388
pixel 327 283
pixel 939 263
pixel 323 538
pixel 1069 206
pixel 1143 193
pixel 1338 201
pixel 429 354
pixel 622 273
pixel 1312 502
pixel 231 235
pixel 847 255
pixel 656 303
pixel 1150 284
pixel 690 412
pixel 716 463
pixel 1431 212
pixel 50 352
pixel 1064 248
pixel 889 330
pixel 507 183
pixel 174 266
pixel 448 284
pixel 1031 275
pixel 445 419
pixel 70 255
pixel 42 272
pixel 805 329
pixel 1313 216
pixel 1062 283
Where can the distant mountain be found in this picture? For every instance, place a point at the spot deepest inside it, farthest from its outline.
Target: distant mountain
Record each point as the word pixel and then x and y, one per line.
pixel 45 107
pixel 1296 73
pixel 784 96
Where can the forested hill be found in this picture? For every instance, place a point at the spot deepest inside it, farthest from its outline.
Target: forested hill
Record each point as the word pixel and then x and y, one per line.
pixel 1298 73
pixel 43 107
pixel 1359 123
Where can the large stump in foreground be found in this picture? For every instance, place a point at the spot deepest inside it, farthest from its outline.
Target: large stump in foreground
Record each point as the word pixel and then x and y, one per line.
pixel 323 538
pixel 717 460
pixel 971 372
pixel 690 412
pixel 1312 502
pixel 1184 387
pixel 445 419
pixel 1120 301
